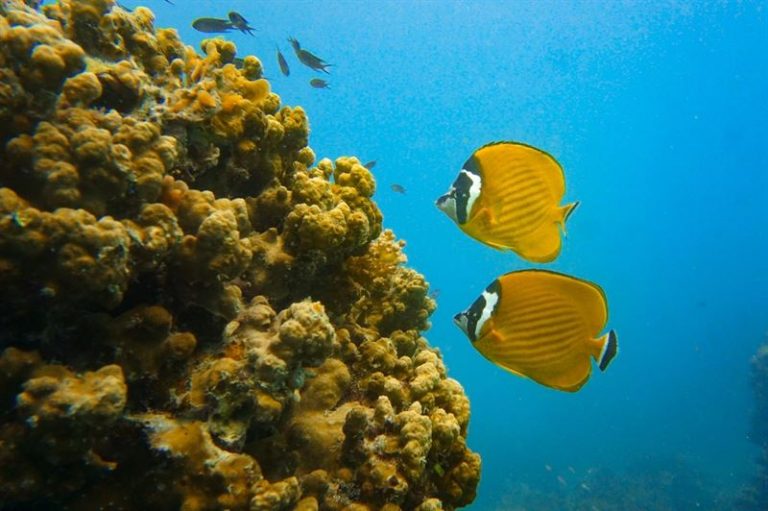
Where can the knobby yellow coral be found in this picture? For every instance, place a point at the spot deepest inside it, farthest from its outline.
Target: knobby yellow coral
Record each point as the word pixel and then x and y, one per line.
pixel 196 315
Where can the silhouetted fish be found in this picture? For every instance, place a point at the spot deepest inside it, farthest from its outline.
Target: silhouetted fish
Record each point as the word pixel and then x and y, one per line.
pixel 212 25
pixel 398 188
pixel 282 63
pixel 308 58
pixel 295 44
pixel 240 23
pixel 319 83
pixel 369 165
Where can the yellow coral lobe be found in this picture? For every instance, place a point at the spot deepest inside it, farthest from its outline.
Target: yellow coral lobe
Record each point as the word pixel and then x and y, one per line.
pixel 246 146
pixel 47 57
pixel 184 438
pixel 256 90
pixel 206 100
pixel 230 102
pixel 144 16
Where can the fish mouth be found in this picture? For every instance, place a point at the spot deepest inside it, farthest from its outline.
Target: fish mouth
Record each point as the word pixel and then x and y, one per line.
pixel 442 200
pixel 462 321
pixel 447 204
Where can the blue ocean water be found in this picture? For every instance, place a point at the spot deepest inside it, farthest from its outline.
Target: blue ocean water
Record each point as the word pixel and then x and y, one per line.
pixel 658 111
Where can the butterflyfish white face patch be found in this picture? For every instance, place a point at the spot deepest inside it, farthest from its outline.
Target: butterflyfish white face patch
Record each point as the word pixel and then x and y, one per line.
pixel 491 299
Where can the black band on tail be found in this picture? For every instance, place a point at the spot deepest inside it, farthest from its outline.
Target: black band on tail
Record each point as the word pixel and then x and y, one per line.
pixel 570 211
pixel 609 351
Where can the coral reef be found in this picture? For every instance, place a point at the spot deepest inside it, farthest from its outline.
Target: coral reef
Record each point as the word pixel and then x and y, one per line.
pixel 755 496
pixel 195 314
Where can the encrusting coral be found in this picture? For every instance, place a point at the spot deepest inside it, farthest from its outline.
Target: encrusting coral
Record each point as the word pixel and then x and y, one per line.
pixel 195 314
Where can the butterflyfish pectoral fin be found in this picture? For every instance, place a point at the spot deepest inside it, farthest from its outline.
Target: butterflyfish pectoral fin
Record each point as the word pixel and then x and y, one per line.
pixel 605 349
pixel 564 212
pixel 486 216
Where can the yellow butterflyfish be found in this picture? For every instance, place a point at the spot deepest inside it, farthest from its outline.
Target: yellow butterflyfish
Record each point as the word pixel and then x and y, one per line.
pixel 542 325
pixel 507 195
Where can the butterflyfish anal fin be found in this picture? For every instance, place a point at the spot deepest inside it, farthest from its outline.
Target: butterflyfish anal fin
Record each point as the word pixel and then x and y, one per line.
pixel 568 379
pixel 510 370
pixel 541 246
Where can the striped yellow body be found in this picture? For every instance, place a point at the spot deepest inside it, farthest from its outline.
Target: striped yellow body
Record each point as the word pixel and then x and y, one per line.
pixel 545 327
pixel 518 207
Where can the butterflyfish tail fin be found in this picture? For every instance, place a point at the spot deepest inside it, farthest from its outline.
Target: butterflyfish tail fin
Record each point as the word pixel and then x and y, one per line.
pixel 609 350
pixel 565 212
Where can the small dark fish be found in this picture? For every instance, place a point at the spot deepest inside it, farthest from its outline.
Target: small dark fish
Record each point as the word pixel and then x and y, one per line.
pixel 369 165
pixel 312 61
pixel 435 294
pixel 398 188
pixel 212 25
pixel 295 44
pixel 169 2
pixel 240 23
pixel 308 58
pixel 319 83
pixel 283 63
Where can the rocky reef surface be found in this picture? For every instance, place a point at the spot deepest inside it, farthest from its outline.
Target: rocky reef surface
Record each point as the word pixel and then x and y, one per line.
pixel 195 313
pixel 755 496
pixel 648 483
